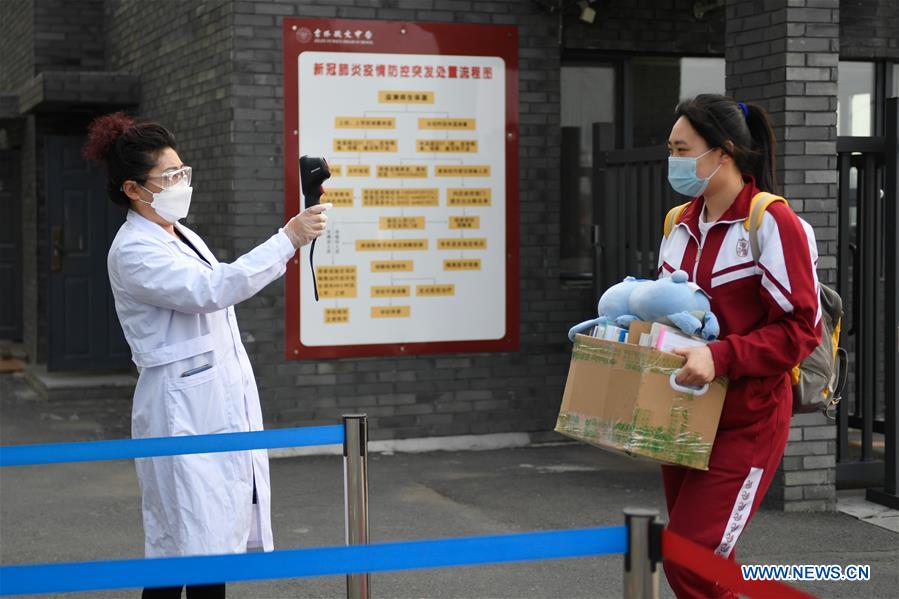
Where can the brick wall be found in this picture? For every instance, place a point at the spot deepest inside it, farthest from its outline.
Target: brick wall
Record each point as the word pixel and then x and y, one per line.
pixel 782 54
pixel 414 396
pixel 869 29
pixel 68 35
pixel 62 42
pixel 182 53
pixel 16 51
pixel 78 92
pixel 647 27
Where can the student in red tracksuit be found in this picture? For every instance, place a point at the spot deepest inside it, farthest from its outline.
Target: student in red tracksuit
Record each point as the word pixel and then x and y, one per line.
pixel 721 154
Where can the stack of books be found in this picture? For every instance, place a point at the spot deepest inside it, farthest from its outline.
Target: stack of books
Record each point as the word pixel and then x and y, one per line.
pixel 648 334
pixel 609 332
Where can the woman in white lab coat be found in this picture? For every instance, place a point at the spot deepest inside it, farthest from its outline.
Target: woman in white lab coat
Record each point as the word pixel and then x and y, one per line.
pixel 175 303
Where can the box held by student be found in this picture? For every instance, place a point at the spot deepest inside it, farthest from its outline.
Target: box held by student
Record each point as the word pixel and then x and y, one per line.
pixel 624 397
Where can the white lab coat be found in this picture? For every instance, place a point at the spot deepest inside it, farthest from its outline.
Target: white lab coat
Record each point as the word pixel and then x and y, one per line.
pixel 177 314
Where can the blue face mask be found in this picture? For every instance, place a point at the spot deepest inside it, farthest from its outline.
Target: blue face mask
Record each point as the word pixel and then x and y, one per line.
pixel 682 175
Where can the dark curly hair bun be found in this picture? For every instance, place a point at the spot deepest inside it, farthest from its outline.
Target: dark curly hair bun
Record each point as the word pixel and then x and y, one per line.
pixel 129 148
pixel 103 133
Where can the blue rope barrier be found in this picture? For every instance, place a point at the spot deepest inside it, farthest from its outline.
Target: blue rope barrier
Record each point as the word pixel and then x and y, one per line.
pixel 89 451
pixel 299 563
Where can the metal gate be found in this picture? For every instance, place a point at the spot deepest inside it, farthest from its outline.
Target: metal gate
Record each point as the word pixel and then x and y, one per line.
pixel 868 278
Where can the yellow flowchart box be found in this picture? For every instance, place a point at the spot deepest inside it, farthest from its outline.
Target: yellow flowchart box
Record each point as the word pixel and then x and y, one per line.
pixel 462 243
pixel 336 281
pixel 390 245
pixel 405 97
pixel 358 170
pixel 364 122
pixel 390 291
pixel 466 170
pixel 337 315
pixel 468 196
pixel 391 311
pixel 391 266
pixel 401 222
pixel 462 264
pixel 365 145
pixel 341 197
pixel 448 124
pixel 465 222
pixel 435 290
pixel 401 196
pixel 469 146
pixel 402 171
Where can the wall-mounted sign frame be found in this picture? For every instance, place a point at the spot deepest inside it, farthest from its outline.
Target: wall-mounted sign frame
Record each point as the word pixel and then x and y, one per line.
pixel 419 123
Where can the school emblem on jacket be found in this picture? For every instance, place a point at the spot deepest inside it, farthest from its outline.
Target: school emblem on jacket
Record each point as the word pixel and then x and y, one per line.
pixel 742 248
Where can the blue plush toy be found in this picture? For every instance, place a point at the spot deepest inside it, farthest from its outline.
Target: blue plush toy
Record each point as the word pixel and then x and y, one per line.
pixel 672 300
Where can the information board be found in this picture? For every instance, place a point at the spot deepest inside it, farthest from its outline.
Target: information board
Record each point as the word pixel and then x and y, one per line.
pixel 418 123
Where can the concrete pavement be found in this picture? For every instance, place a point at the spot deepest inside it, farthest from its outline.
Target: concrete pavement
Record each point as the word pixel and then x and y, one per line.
pixel 75 512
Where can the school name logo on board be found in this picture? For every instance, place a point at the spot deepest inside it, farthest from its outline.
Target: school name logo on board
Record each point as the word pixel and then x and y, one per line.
pixel 335 36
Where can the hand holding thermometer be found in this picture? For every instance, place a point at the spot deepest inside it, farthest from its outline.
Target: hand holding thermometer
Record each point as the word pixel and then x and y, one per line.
pixel 313 172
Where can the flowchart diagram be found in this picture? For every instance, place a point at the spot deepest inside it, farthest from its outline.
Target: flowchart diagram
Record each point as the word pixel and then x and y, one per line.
pixel 415 249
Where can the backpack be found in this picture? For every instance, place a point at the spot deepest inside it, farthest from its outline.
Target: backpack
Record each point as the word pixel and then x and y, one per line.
pixel 819 379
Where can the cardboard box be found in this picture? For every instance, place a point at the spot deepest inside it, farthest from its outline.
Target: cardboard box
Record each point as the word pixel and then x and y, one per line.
pixel 622 397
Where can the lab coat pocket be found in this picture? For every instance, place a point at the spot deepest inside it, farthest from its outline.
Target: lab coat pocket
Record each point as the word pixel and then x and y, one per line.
pixel 195 405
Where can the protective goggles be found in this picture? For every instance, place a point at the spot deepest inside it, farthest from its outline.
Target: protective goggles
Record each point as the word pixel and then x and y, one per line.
pixel 172 178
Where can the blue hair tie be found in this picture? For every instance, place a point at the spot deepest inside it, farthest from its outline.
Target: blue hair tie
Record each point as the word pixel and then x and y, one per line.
pixel 745 109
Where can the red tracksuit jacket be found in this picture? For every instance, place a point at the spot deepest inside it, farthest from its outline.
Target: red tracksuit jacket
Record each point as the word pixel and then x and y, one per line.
pixel 769 313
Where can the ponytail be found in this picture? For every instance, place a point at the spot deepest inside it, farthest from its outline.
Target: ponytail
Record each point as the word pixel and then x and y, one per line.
pixel 128 148
pixel 763 143
pixel 719 120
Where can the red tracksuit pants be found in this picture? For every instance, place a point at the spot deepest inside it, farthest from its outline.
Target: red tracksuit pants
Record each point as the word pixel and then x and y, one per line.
pixel 713 507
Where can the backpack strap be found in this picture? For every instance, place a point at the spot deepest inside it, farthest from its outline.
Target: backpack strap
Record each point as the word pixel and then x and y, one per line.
pixel 673 216
pixel 757 207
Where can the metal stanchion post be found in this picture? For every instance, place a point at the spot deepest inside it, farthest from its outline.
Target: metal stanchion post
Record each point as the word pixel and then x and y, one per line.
pixel 355 493
pixel 644 535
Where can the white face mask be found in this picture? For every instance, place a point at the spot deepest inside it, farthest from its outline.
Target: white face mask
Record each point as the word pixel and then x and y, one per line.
pixel 172 203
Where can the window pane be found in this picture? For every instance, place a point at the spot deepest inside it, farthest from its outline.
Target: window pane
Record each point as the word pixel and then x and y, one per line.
pixel 855 98
pixel 895 93
pixel 656 83
pixel 701 76
pixel 660 82
pixel 588 96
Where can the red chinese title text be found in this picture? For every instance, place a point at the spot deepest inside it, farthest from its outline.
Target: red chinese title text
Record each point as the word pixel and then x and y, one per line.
pixel 342 69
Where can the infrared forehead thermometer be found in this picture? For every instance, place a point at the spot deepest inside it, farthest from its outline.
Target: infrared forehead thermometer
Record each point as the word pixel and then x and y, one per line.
pixel 313 172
